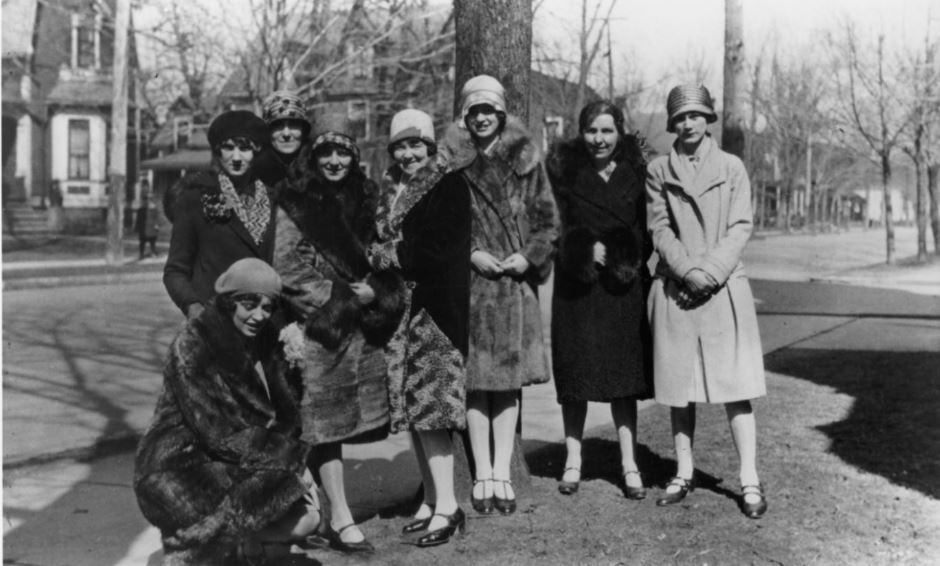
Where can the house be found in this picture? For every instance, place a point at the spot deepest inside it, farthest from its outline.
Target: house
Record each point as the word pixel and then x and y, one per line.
pixel 57 95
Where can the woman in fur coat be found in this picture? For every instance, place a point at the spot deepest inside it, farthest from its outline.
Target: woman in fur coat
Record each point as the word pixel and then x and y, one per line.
pixel 347 310
pixel 424 231
pixel 706 345
pixel 220 216
pixel 221 463
pixel 600 335
pixel 515 223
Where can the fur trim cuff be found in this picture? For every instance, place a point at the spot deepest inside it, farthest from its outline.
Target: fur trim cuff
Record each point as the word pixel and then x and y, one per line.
pixel 381 317
pixel 623 258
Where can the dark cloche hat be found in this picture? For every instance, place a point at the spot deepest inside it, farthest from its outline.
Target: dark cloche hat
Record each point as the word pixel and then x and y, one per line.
pixel 689 98
pixel 237 124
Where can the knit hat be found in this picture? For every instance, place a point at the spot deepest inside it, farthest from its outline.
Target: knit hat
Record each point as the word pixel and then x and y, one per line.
pixel 335 129
pixel 249 275
pixel 237 124
pixel 284 105
pixel 482 89
pixel 411 123
pixel 689 98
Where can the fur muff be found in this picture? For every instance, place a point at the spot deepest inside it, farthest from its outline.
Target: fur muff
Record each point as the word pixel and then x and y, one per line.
pixel 577 255
pixel 623 259
pixel 381 317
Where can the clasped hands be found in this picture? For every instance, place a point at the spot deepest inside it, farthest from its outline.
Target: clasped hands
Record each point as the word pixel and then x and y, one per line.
pixel 695 288
pixel 305 302
pixel 487 265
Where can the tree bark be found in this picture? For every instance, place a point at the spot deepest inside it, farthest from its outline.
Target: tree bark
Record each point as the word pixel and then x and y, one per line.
pixel 933 172
pixel 494 38
pixel 732 126
pixel 888 208
pixel 118 158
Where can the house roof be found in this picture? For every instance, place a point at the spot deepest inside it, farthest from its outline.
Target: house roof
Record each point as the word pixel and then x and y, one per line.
pixel 189 159
pixel 19 20
pixel 89 92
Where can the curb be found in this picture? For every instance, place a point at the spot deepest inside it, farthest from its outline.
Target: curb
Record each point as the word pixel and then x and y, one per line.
pixel 46 282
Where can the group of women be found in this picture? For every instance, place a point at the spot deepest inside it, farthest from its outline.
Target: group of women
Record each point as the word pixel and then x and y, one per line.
pixel 324 310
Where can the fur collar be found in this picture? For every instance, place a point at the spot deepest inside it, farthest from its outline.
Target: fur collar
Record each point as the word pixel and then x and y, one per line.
pixel 515 146
pixel 567 158
pixel 392 210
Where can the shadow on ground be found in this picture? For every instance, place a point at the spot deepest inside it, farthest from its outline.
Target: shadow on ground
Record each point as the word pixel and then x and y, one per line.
pixel 893 427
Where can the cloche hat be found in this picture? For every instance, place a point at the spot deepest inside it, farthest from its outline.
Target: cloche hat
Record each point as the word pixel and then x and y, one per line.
pixel 689 98
pixel 482 89
pixel 411 123
pixel 237 124
pixel 284 105
pixel 249 275
pixel 335 129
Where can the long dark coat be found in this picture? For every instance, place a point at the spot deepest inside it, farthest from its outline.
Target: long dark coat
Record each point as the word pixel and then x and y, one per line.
pixel 221 459
pixel 204 244
pixel 600 335
pixel 702 218
pixel 425 232
pixel 513 211
pixel 323 232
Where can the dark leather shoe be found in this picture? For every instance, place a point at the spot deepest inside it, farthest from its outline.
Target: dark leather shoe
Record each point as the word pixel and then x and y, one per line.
pixel 753 510
pixel 456 524
pixel 633 492
pixel 337 542
pixel 483 505
pixel 569 487
pixel 416 526
pixel 504 505
pixel 685 486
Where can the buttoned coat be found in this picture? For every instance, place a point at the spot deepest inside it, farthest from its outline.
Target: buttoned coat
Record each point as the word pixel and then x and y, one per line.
pixel 701 218
pixel 513 211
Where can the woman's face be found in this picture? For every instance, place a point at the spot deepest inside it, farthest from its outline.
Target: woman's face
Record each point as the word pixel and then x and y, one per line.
pixel 411 154
pixel 690 127
pixel 334 162
pixel 286 136
pixel 252 312
pixel 483 122
pixel 236 156
pixel 601 138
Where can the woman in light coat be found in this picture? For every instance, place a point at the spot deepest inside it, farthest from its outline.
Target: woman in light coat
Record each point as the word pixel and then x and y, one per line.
pixel 706 346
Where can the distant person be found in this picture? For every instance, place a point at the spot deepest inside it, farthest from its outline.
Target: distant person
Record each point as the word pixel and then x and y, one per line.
pixel 600 334
pixel 346 309
pixel 285 114
pixel 147 216
pixel 706 345
pixel 221 469
pixel 220 216
pixel 423 222
pixel 514 227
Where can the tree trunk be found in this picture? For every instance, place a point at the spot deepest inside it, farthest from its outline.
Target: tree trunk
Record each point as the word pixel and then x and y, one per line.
pixel 494 38
pixel 888 208
pixel 118 158
pixel 920 183
pixel 732 126
pixel 933 172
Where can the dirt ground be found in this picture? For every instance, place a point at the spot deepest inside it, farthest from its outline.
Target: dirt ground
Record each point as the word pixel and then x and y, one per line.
pixel 850 462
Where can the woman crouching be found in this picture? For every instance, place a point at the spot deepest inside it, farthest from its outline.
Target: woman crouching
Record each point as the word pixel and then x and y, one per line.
pixel 221 468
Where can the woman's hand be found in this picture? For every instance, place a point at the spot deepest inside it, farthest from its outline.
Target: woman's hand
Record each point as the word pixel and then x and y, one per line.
pixel 193 310
pixel 486 265
pixel 516 264
pixel 364 292
pixel 700 282
pixel 600 253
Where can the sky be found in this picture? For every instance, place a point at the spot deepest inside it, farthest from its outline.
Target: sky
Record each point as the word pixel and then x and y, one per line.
pixel 661 35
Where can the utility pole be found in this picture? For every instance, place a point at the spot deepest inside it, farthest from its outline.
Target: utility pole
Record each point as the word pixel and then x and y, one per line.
pixel 732 125
pixel 117 171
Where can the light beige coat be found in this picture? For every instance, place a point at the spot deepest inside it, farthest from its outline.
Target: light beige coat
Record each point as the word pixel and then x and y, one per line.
pixel 701 218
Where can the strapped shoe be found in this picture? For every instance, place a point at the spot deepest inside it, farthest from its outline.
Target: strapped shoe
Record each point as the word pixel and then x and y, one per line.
pixel 456 524
pixel 753 510
pixel 569 487
pixel 633 492
pixel 504 505
pixel 684 485
pixel 482 505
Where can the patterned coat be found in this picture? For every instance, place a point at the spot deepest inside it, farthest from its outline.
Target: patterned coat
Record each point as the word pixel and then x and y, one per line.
pixel 701 218
pixel 513 211
pixel 424 230
pixel 600 336
pixel 323 230
pixel 206 239
pixel 221 458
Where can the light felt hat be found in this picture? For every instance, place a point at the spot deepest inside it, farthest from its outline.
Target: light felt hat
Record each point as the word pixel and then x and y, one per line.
pixel 249 275
pixel 411 123
pixel 482 89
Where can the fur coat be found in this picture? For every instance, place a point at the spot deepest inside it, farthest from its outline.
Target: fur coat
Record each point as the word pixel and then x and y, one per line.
pixel 221 458
pixel 600 335
pixel 323 232
pixel 423 230
pixel 513 212
pixel 204 243
pixel 701 218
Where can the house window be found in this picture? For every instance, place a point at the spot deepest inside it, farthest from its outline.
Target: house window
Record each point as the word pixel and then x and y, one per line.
pixel 79 149
pixel 359 119
pixel 85 41
pixel 360 64
pixel 182 128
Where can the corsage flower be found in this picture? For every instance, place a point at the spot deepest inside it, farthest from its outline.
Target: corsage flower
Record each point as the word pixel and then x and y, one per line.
pixel 292 336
